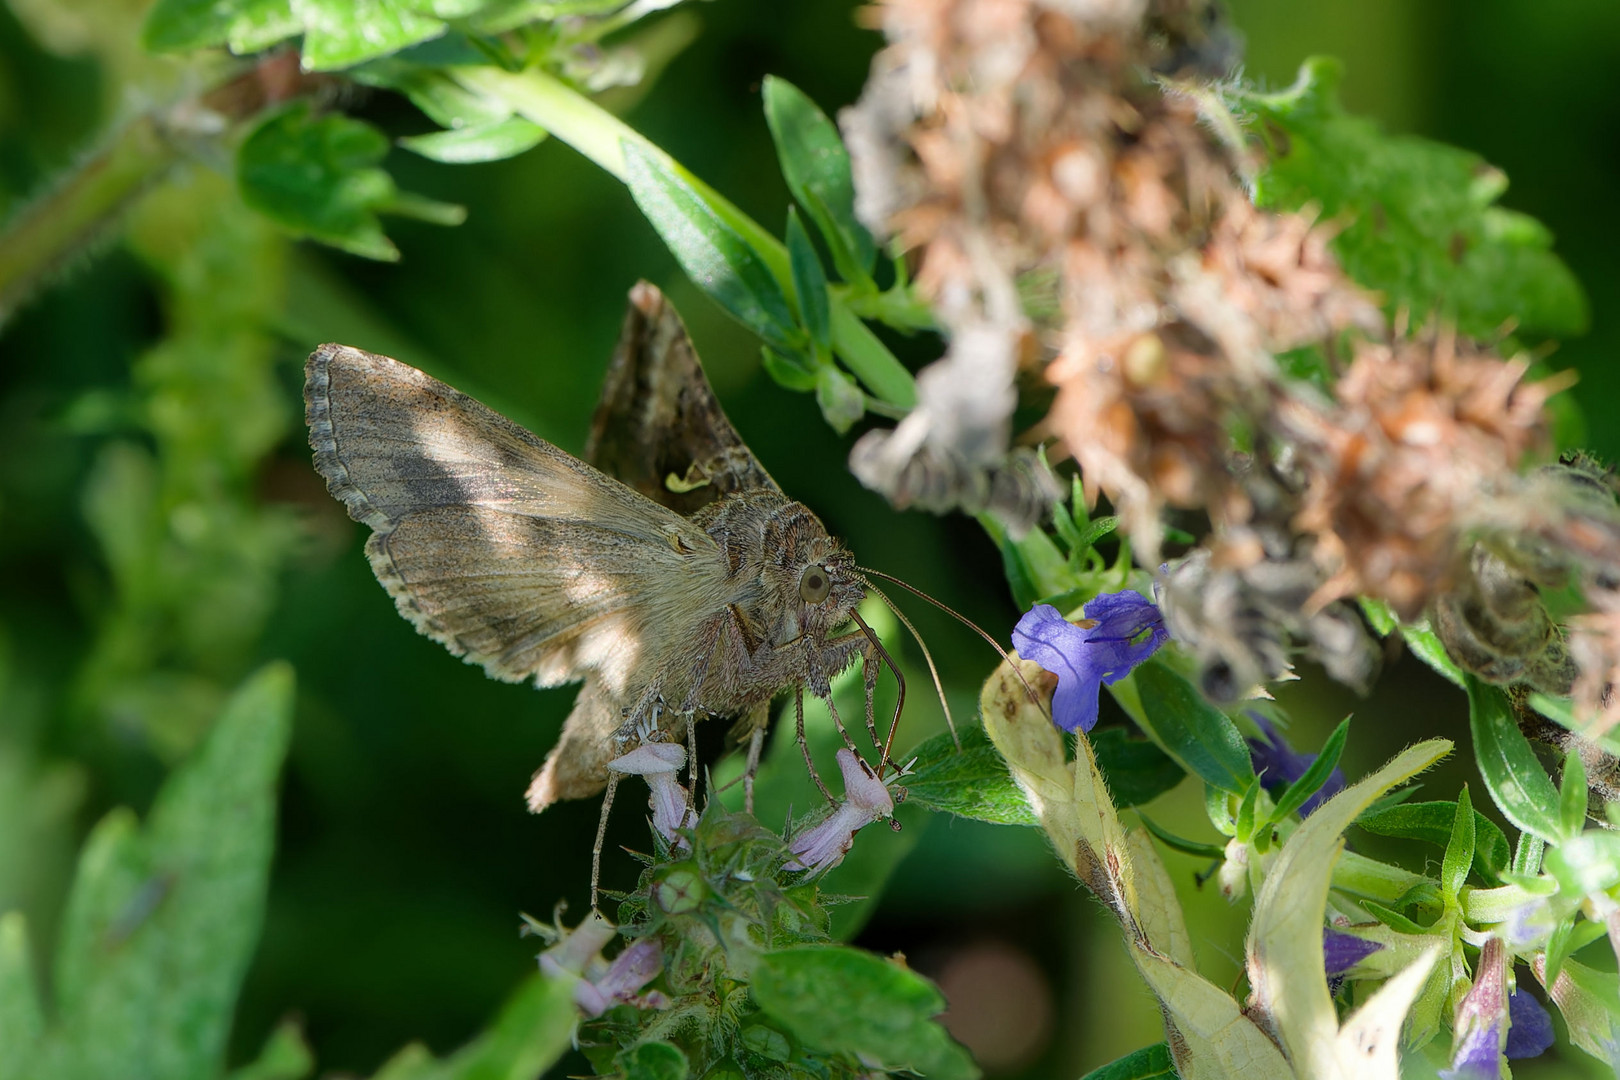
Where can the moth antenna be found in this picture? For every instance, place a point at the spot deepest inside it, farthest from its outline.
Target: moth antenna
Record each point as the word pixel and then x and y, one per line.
pixel 933 672
pixel 900 680
pixel 965 621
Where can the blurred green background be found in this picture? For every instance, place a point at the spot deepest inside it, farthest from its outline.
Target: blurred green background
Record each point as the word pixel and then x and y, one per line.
pixel 162 533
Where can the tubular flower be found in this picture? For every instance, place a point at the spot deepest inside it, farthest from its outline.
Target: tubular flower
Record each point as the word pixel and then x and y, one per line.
pixel 1119 631
pixel 866 798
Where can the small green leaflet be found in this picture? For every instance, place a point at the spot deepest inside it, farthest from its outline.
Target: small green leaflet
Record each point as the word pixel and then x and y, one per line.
pixel 316 176
pixel 1423 228
pixel 654 1061
pixel 1149 1063
pixel 713 254
pixel 490 142
pixel 1194 732
pixel 816 168
pixel 1518 784
pixel 1432 823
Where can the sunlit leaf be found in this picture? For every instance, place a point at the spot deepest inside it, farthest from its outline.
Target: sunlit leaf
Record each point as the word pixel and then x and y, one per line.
pixel 162 919
pixel 1422 227
pixel 1191 730
pixel 1518 784
pixel 1432 822
pixel 244 25
pixel 845 1000
pixel 713 254
pixel 340 33
pixel 816 168
pixel 972 782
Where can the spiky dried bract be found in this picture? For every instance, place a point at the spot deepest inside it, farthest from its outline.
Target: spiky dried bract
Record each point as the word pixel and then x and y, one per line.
pixel 1072 214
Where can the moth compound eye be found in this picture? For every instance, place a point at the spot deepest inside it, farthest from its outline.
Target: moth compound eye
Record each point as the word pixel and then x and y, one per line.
pixel 814 584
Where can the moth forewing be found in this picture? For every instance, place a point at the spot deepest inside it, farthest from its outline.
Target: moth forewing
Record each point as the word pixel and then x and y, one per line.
pixel 536 565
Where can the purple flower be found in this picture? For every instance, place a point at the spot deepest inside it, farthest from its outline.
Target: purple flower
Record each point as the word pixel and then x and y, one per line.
pixel 1530 1030
pixel 1342 951
pixel 1278 765
pixel 1477 1036
pixel 1124 630
pixel 866 798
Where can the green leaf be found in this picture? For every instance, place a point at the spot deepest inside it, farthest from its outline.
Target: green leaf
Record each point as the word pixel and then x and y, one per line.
pixel 341 33
pixel 816 168
pixel 1137 771
pixel 1199 736
pixel 1149 1063
pixel 494 142
pixel 285 1056
pixel 1433 822
pixel 534 1029
pixel 1518 784
pixel 1459 856
pixel 442 99
pixel 844 1000
pixel 1422 228
pixel 654 1061
pixel 788 371
pixel 1572 795
pixel 713 254
pixel 972 782
pixel 1296 794
pixel 809 286
pixel 162 920
pixel 316 177
pixel 244 25
pixel 22 1020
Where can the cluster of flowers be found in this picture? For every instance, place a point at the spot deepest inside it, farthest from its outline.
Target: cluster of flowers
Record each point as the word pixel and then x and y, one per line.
pixel 1075 217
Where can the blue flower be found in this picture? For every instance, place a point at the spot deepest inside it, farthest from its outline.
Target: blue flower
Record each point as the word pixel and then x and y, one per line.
pixel 1120 630
pixel 1342 951
pixel 1278 765
pixel 1530 1029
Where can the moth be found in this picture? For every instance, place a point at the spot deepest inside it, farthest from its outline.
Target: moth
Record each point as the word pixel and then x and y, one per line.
pixel 667 571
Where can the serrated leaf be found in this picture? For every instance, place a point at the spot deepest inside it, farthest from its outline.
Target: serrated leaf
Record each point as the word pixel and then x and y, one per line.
pixel 713 254
pixel 341 33
pixel 1137 771
pixel 1192 731
pixel 972 782
pixel 841 401
pixel 1459 856
pixel 316 176
pixel 22 1020
pixel 1421 225
pixel 1149 1063
pixel 1284 945
pixel 1311 781
pixel 162 921
pixel 244 25
pixel 1433 822
pixel 842 1000
pixel 1518 784
pixel 809 286
pixel 816 168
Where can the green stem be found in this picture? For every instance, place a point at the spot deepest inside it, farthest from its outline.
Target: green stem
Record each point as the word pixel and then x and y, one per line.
pixel 600 136
pixel 49 231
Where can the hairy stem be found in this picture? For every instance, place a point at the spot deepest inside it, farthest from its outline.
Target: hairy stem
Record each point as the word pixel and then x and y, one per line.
pixel 48 232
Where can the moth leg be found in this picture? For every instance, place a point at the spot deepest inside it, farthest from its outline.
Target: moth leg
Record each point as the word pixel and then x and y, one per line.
pixel 756 745
pixel 838 722
pixel 601 835
pixel 870 669
pixel 804 745
pixel 692 766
